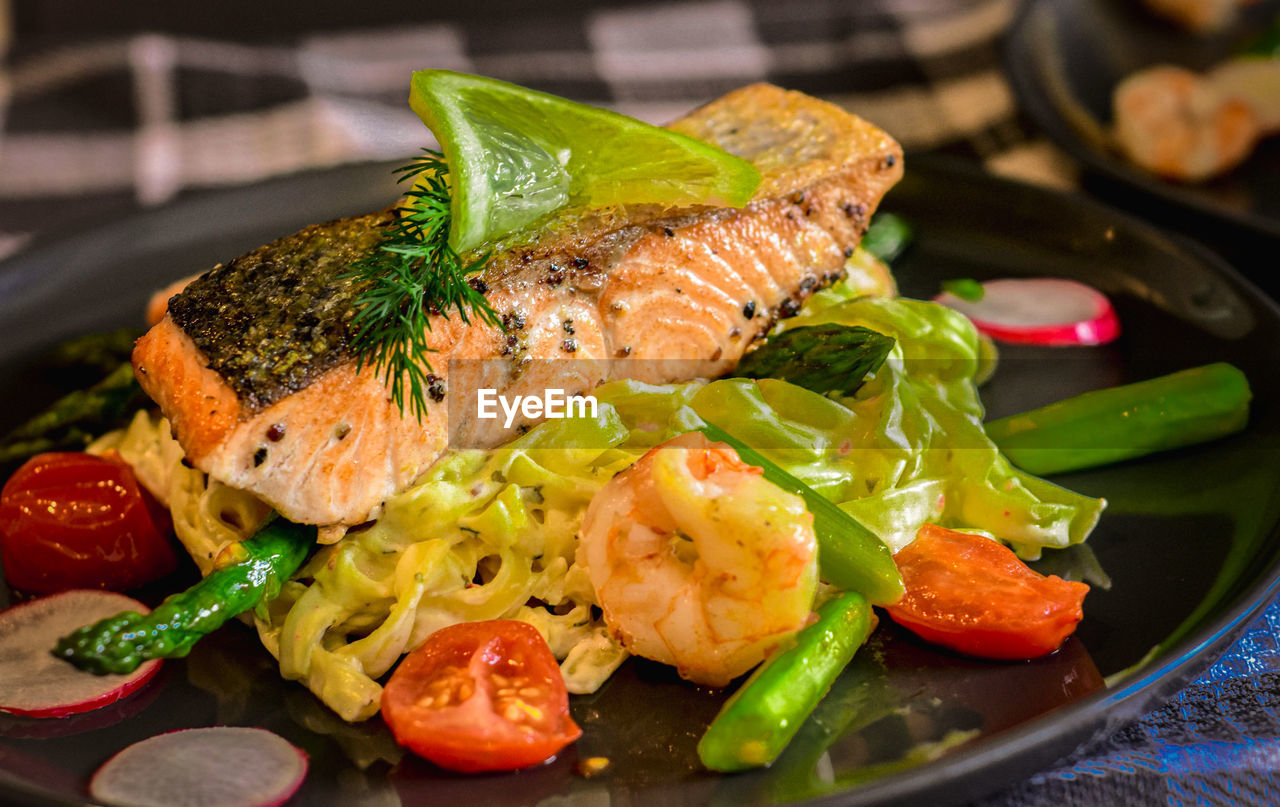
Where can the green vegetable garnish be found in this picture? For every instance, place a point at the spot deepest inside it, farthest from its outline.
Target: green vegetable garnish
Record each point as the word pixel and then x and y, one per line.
pixel 1120 423
pixel 966 288
pixel 254 573
pixel 758 721
pixel 102 352
pixel 850 556
pixel 824 358
pixel 73 421
pixel 887 236
pixel 413 274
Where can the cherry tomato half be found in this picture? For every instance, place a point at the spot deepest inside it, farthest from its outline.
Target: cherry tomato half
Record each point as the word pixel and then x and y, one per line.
pixel 480 696
pixel 72 520
pixel 972 594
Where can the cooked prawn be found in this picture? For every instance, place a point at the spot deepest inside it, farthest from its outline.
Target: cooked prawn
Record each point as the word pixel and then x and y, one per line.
pixel 1177 124
pixel 1254 81
pixel 698 562
pixel 1202 16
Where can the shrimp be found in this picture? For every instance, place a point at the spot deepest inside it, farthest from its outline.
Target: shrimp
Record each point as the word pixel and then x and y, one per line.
pixel 1174 123
pixel 1254 81
pixel 698 562
pixel 1201 16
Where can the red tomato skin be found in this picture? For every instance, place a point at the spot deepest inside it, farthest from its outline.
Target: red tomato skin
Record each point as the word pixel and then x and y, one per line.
pixel 975 596
pixel 71 520
pixel 467 733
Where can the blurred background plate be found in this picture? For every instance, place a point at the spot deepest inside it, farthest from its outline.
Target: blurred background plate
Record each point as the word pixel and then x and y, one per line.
pixel 1064 57
pixel 1190 541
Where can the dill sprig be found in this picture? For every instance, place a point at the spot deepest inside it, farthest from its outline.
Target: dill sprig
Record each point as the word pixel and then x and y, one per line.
pixel 412 275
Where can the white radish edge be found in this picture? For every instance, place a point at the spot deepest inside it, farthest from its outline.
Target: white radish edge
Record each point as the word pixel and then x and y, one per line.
pixel 215 766
pixel 1039 311
pixel 33 683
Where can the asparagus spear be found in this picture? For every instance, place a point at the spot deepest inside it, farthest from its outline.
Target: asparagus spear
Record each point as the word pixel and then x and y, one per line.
pixel 758 721
pixel 1120 423
pixel 249 573
pixel 102 352
pixel 71 422
pixel 823 358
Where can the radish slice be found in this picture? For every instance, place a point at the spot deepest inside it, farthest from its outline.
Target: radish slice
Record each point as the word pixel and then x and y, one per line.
pixel 25 727
pixel 222 766
pixel 35 683
pixel 1040 311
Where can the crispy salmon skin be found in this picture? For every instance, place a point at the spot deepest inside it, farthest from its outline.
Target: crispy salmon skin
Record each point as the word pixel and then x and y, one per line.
pixel 252 363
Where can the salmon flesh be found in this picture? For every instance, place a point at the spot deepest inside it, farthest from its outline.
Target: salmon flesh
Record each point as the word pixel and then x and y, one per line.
pixel 253 367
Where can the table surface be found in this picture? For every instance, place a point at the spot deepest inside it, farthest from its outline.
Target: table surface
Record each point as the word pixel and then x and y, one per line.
pixel 105 111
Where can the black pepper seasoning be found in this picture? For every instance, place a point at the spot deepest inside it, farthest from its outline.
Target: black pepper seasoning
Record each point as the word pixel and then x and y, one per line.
pixel 854 210
pixel 435 387
pixel 513 321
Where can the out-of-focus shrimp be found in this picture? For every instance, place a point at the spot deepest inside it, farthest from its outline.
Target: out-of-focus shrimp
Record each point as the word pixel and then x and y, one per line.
pixel 1201 16
pixel 698 561
pixel 1176 124
pixel 1256 81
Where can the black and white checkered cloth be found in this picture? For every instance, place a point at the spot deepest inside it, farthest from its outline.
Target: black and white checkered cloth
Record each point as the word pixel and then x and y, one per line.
pixel 103 109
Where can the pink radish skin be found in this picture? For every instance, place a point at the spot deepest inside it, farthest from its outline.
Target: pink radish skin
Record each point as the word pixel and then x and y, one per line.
pixel 1040 311
pixel 20 727
pixel 221 766
pixel 35 684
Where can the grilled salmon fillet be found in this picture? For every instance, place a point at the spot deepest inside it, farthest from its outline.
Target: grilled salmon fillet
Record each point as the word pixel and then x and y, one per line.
pixel 252 364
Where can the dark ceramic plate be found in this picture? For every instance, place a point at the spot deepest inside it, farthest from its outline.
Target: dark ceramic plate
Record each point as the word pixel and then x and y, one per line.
pixel 1064 57
pixel 1190 540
